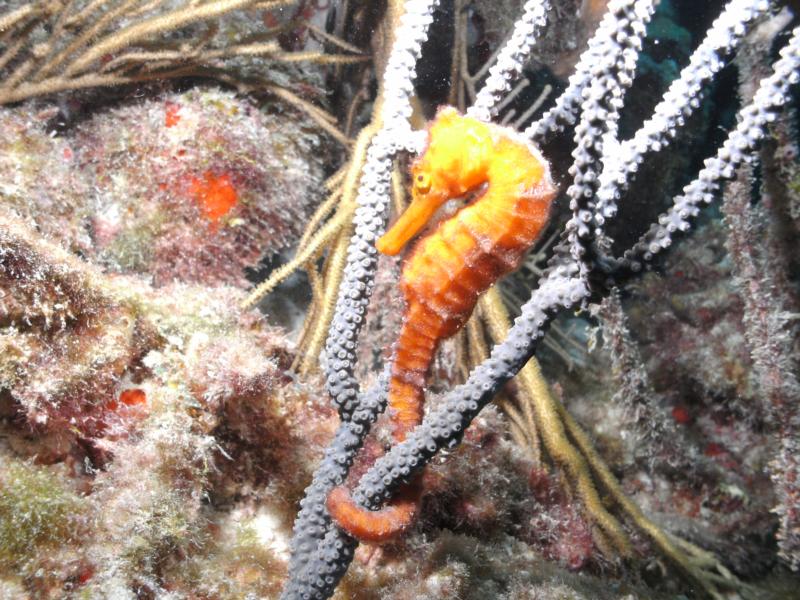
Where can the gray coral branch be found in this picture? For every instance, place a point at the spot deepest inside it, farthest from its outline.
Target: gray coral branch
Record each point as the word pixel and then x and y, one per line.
pixel 555 293
pixel 737 148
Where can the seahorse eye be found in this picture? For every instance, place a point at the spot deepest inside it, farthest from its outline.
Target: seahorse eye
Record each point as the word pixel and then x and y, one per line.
pixel 422 183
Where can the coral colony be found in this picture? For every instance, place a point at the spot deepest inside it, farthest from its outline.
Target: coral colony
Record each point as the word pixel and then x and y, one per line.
pixel 157 434
pixel 580 270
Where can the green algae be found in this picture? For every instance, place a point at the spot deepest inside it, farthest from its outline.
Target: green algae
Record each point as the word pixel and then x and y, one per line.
pixel 36 513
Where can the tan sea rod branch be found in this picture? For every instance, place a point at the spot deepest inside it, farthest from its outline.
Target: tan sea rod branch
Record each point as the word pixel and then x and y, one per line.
pixel 46 70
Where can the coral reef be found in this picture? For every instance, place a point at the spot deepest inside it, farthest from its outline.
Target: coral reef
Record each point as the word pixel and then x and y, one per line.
pixel 127 372
pixel 41 521
pixel 27 151
pixel 140 430
pixel 157 436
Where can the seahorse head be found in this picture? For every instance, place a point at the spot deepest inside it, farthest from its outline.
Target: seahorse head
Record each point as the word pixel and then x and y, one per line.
pixel 455 162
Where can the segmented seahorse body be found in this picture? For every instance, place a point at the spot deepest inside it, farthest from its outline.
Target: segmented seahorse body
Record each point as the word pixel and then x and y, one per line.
pixel 450 267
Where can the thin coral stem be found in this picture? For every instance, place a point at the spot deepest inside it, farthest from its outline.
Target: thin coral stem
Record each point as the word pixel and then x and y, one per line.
pixel 170 56
pixel 9 93
pixel 497 320
pixel 334 181
pixel 477 345
pixel 82 40
pixel 320 116
pixel 333 39
pixel 83 15
pixel 319 332
pixel 321 58
pixel 13 50
pixel 18 15
pixel 399 197
pixel 320 214
pixel 159 24
pixel 323 236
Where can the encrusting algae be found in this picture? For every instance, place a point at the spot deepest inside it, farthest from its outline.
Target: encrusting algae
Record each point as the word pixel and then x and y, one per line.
pixel 127 370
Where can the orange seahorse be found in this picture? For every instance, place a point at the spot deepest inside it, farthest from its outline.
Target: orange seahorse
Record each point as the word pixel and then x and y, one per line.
pixel 449 268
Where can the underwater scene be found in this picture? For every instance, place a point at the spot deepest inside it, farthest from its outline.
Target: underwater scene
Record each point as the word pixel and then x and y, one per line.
pixel 399 299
